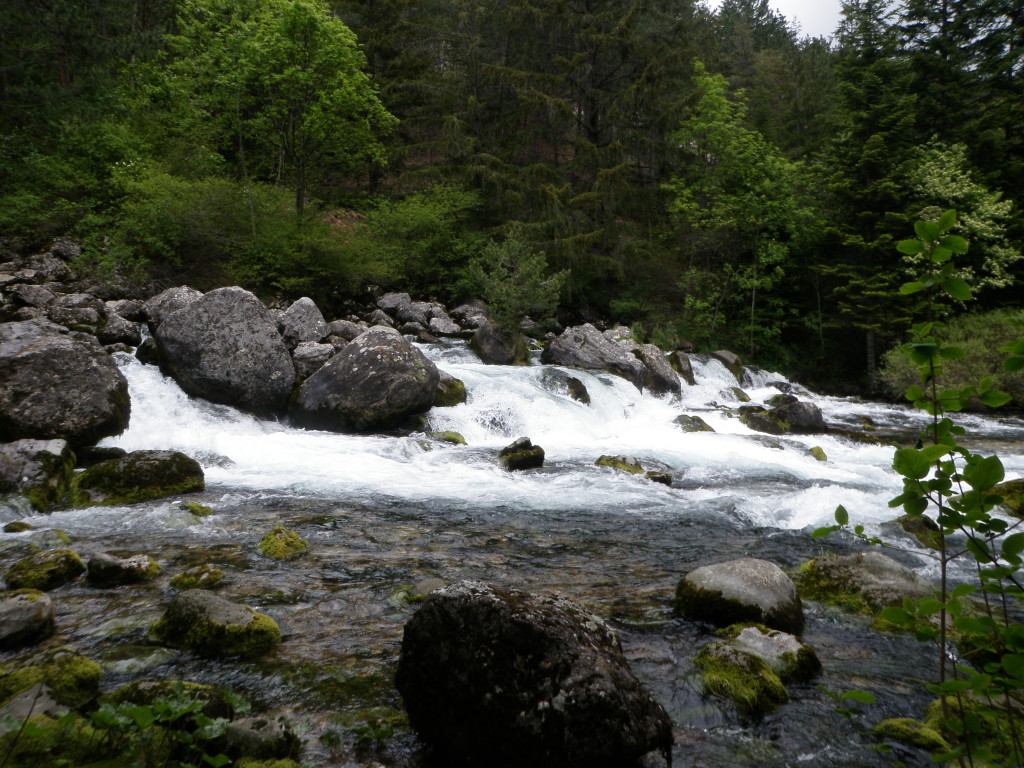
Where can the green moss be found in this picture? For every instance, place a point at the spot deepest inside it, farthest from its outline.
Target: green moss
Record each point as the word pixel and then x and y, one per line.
pixel 455 438
pixel 197 509
pixel 200 577
pixel 812 583
pixel 137 477
pixel 739 394
pixel 743 679
pixel 280 543
pixel 18 526
pixel 913 733
pixel 45 570
pixel 212 639
pixel 1012 492
pixel 450 391
pixel 74 679
pixel 623 463
pixel 819 453
pixel 251 762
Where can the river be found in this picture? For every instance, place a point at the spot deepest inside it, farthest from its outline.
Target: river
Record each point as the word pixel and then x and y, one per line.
pixel 383 512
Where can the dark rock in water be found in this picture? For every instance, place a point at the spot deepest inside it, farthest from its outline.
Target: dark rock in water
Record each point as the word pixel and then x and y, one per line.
pixel 26 618
pixel 301 322
pixel 522 454
pixel 225 347
pixel 562 383
pixel 731 361
pixel 495 347
pixel 450 391
pixel 106 570
pixel 375 382
pixel 154 310
pixel 922 528
pixel 578 390
pixel 739 591
pixel 94 454
pixel 692 423
pixel 209 625
pixel 659 378
pixel 621 463
pixel 761 420
pixel 787 415
pixel 53 386
pixel 39 470
pixel 664 478
pixel 681 364
pixel 138 476
pixel 586 347
pixel 502 678
pixel 45 570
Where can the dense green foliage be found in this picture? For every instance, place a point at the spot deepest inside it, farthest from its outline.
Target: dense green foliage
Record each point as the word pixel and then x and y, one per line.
pixel 708 176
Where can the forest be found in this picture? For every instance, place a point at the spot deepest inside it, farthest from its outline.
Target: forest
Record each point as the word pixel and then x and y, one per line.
pixel 712 178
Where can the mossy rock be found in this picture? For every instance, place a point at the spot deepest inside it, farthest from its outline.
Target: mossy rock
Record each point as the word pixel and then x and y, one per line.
pixel 761 420
pixel 912 733
pixel 200 577
pixel 45 570
pixel 199 621
pixel 1012 492
pixel 739 394
pixel 106 570
pixel 455 438
pixel 692 423
pixel 819 453
pixel 73 679
pixel 26 618
pixel 197 509
pixel 789 658
pixel 621 463
pixel 18 526
pixel 664 478
pixel 139 476
pixel 450 391
pixel 216 701
pixel 522 454
pixel 742 678
pixel 922 528
pixel 577 390
pixel 281 543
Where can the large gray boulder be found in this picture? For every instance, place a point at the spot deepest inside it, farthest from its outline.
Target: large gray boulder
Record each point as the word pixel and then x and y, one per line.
pixel 39 470
pixel 26 618
pixel 377 381
pixel 739 591
pixel 168 302
pixel 659 378
pixel 77 309
pixel 301 322
pixel 57 386
pixel 503 678
pixel 494 346
pixel 225 347
pixel 584 346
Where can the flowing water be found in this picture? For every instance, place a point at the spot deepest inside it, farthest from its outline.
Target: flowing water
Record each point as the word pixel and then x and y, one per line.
pixel 383 512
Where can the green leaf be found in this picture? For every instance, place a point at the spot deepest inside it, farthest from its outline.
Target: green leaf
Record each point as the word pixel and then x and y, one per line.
pixel 915 393
pixel 984 473
pixel 911 463
pixel 144 717
pixel 934 452
pixel 922 351
pixel 962 590
pixel 952 353
pixel 910 247
pixel 957 287
pixel 927 231
pixel 898 616
pixel 914 287
pixel 861 697
pixel 941 255
pixel 993 398
pixel 1013 364
pixel 946 221
pixel 1013 544
pixel 842 516
pixel 928 606
pixel 955 243
pixel 819 533
pixel 915 505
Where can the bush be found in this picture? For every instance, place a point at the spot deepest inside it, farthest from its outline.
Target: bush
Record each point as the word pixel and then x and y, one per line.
pixel 980 336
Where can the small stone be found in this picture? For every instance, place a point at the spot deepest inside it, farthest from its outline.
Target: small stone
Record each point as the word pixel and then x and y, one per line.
pixel 203 576
pixel 819 453
pixel 621 463
pixel 522 454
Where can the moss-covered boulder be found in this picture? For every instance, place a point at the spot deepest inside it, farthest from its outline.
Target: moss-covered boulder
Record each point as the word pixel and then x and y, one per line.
pixel 281 543
pixel 1012 492
pixel 450 391
pixel 107 570
pixel 202 622
pixel 215 702
pixel 26 618
pixel 73 679
pixel 818 453
pixel 790 659
pixel 864 582
pixel 39 470
pixel 18 526
pixel 923 528
pixel 621 463
pixel 689 423
pixel 139 476
pixel 663 478
pixel 741 591
pixel 455 438
pixel 203 576
pixel 197 509
pixel 731 361
pixel 45 570
pixel 913 733
pixel 743 678
pixel 522 454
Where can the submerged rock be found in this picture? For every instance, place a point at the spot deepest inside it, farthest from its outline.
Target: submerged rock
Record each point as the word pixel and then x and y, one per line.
pixel 225 347
pixel 55 386
pixel 39 470
pixel 106 570
pixel 209 625
pixel 45 570
pixel 689 423
pixel 503 678
pixel 26 618
pixel 138 476
pixel 376 382
pixel 203 576
pixel 740 591
pixel 522 454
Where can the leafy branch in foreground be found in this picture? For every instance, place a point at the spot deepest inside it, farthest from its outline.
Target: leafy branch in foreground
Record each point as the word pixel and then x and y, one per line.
pixel 976 624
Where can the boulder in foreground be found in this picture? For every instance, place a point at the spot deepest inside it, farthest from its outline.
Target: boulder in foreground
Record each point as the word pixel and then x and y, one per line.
pixel 200 621
pixel 503 678
pixel 136 477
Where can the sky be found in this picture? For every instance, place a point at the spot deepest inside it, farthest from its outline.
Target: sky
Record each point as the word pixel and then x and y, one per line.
pixel 817 18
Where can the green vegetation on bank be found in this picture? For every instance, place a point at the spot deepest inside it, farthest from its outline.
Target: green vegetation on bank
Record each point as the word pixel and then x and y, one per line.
pixel 705 176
